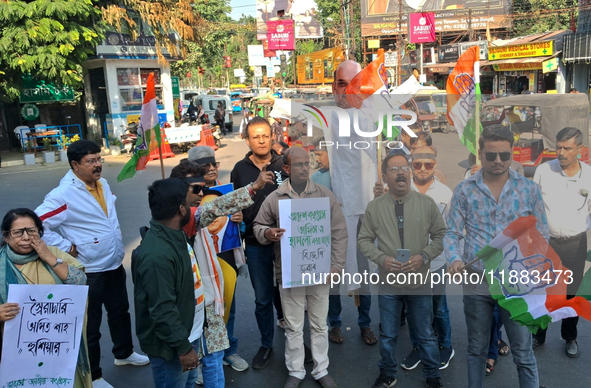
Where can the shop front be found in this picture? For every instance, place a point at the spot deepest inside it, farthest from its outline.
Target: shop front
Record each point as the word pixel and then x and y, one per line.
pixel 519 64
pixel 115 84
pixel 577 56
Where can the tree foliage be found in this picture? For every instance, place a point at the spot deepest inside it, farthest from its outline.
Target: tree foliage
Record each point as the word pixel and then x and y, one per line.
pixel 537 16
pixel 48 39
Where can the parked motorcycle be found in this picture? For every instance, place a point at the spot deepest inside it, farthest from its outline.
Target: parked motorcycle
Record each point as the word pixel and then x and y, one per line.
pixel 129 138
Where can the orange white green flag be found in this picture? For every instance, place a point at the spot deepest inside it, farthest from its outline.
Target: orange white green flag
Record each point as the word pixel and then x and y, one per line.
pixel 528 278
pixel 368 91
pixel 463 94
pixel 148 134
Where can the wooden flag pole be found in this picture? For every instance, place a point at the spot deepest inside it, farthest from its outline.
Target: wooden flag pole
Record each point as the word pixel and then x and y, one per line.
pixel 161 161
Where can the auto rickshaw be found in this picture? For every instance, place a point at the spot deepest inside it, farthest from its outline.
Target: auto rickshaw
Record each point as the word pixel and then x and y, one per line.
pixel 556 111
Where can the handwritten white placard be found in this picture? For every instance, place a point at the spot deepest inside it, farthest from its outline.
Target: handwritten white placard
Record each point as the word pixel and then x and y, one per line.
pixel 40 346
pixel 305 245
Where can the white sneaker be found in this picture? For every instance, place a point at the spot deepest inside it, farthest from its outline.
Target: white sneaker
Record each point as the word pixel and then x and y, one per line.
pixel 134 359
pixel 236 362
pixel 199 375
pixel 282 324
pixel 100 383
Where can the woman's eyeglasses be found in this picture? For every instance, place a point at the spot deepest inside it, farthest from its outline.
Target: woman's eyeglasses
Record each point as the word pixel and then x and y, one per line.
pixel 17 233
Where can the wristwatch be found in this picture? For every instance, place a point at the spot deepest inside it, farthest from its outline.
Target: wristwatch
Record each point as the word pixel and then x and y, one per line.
pixel 58 262
pixel 425 258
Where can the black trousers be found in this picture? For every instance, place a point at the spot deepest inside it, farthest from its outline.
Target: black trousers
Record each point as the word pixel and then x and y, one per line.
pixel 573 253
pixel 108 288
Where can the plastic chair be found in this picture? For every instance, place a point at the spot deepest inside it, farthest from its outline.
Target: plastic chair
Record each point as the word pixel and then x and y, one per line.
pixel 17 132
pixel 40 125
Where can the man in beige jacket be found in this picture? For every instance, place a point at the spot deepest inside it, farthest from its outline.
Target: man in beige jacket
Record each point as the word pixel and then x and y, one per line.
pixel 296 164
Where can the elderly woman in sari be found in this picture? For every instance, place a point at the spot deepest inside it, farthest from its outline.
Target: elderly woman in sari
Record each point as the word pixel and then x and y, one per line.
pixel 25 259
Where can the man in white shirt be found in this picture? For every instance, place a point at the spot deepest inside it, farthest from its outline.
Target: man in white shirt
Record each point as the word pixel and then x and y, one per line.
pixel 424 163
pixel 565 184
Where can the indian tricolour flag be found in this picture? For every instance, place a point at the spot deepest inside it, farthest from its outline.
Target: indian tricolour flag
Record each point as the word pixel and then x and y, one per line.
pixel 527 277
pixel 148 134
pixel 368 92
pixel 463 94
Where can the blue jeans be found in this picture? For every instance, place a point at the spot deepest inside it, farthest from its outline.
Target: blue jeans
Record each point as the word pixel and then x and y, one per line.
pixel 420 315
pixel 212 368
pixel 495 334
pixel 478 310
pixel 441 321
pixel 230 329
pixel 168 374
pixel 261 267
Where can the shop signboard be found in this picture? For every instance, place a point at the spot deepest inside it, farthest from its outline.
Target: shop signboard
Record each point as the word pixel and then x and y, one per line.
pixel 318 67
pixel 390 17
pixel 280 35
pixel 421 27
pixel 34 90
pixel 176 89
pixel 373 43
pixel 526 50
pixel 448 53
pixel 551 65
pixel 517 66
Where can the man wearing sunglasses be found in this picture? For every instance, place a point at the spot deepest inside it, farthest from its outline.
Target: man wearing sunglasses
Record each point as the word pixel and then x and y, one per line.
pixel 423 166
pixel 481 208
pixel 565 184
pixel 80 218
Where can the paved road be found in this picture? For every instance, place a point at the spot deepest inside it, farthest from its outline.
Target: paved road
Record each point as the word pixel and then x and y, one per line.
pixel 353 364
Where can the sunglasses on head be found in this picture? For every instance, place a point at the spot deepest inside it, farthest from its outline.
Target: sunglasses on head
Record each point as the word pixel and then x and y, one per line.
pixel 418 165
pixel 196 188
pixel 492 156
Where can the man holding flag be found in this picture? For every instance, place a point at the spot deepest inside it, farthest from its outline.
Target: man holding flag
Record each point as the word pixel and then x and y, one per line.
pixel 484 205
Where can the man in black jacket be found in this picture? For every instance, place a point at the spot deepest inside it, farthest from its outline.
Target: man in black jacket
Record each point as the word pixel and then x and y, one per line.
pixel 260 258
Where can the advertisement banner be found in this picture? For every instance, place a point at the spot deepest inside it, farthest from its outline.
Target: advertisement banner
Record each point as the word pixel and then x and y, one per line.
pixel 302 12
pixel 421 27
pixel 280 35
pixel 448 53
pixel 266 52
pixel 390 17
pixel 256 56
pixel 318 67
pixel 526 50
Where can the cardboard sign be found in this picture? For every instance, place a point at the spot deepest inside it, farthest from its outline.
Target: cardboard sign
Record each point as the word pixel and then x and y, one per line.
pixel 40 346
pixel 421 27
pixel 306 243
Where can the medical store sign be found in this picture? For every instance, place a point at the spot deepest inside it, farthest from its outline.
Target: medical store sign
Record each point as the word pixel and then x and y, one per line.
pixel 280 35
pixel 526 50
pixel 421 27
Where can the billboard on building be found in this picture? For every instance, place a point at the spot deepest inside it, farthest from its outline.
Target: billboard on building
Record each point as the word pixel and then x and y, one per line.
pixel 303 12
pixel 280 35
pixel 383 17
pixel 318 67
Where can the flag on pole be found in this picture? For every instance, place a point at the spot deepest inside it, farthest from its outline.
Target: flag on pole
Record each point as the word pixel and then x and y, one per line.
pixel 148 134
pixel 527 277
pixel 368 92
pixel 463 93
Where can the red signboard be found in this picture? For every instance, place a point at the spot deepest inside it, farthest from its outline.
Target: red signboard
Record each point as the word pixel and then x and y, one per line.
pixel 266 52
pixel 421 27
pixel 280 35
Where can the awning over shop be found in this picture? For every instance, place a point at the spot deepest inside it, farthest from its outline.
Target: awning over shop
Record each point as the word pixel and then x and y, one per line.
pixel 440 67
pixel 577 48
pixel 518 64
